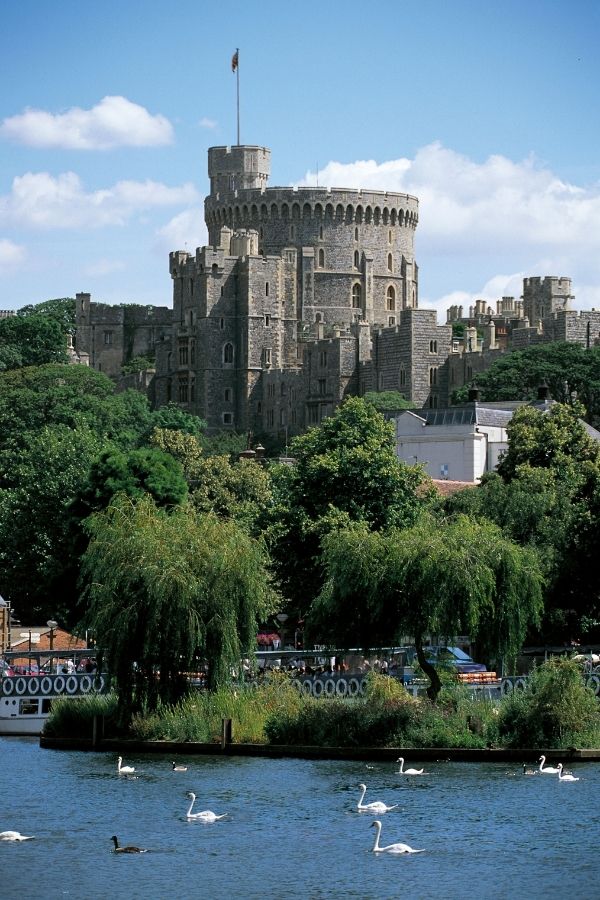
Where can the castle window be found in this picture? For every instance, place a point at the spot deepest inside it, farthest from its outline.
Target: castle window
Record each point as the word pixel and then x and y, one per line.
pixel 228 354
pixel 380 381
pixel 266 288
pixel 321 258
pixel 282 390
pixel 356 259
pixel 390 263
pixel 227 395
pixel 183 354
pixel 320 232
pixel 433 346
pixel 292 231
pixel 182 390
pixel 323 358
pixel 391 320
pixel 192 353
pixel 270 418
pixel 318 317
pixel 267 320
pixel 322 386
pixel 433 401
pixel 108 338
pixel 266 358
pixel 227 418
pixel 356 234
pixel 282 416
pixel 313 415
pixel 356 296
pixel 293 417
pixel 389 236
pixel 222 289
pixel 402 376
pixel 221 324
pixel 433 375
pixel 391 298
pixel 192 389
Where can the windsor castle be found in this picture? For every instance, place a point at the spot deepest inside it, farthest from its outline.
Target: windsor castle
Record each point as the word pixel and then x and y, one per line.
pixel 305 296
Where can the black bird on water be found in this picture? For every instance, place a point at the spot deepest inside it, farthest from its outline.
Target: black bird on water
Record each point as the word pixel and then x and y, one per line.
pixel 125 849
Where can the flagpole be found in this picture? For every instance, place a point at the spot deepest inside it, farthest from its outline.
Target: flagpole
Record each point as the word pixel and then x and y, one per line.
pixel 237 74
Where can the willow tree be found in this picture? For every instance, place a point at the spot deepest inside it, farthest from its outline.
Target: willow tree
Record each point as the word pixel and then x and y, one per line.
pixel 165 588
pixel 434 578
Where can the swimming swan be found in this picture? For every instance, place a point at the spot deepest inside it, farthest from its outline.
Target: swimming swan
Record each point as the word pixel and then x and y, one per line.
pixel 124 770
pixel 403 771
pixel 204 816
pixel 179 768
pixel 546 770
pixel 562 777
pixel 14 836
pixel 375 807
pixel 391 848
pixel 125 849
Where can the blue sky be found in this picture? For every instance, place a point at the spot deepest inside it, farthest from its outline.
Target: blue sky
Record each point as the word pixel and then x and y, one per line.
pixel 488 112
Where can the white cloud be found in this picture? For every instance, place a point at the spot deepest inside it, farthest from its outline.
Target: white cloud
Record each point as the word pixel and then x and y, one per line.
pixel 114 122
pixel 11 255
pixel 498 212
pixel 41 200
pixel 211 124
pixel 185 231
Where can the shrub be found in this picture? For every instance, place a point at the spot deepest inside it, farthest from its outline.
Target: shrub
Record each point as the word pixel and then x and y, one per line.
pixel 556 710
pixel 74 717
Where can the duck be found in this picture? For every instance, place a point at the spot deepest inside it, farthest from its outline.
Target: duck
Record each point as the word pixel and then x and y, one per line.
pixel 124 770
pixel 177 768
pixel 376 807
pixel 129 849
pixel 403 771
pixel 546 770
pixel 391 848
pixel 562 777
pixel 527 771
pixel 14 836
pixel 206 815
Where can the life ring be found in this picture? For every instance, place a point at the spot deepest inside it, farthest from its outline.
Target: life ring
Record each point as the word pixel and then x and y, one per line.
pixel 8 686
pixel 329 687
pixel 506 687
pixel 593 682
pixel 71 684
pixel 353 687
pixel 297 685
pixel 46 685
pixel 33 685
pixel 59 684
pixel 85 684
pixel 341 688
pixel 102 682
pixel 317 688
pixel 307 687
pixel 520 684
pixel 363 687
pixel 20 686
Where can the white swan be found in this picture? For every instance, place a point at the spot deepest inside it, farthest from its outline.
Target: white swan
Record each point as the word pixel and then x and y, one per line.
pixel 403 771
pixel 14 836
pixel 391 848
pixel 375 807
pixel 129 849
pixel 562 777
pixel 124 770
pixel 205 816
pixel 546 770
pixel 179 768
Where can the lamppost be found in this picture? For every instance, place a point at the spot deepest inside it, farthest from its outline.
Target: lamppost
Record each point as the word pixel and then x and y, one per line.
pixel 51 625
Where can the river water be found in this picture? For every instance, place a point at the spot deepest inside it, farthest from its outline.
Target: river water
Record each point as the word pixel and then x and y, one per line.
pixel 292 829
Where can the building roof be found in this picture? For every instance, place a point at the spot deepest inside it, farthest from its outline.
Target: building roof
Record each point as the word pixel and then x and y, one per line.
pixel 446 488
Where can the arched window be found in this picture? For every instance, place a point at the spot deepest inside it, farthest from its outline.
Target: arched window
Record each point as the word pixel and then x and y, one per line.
pixel 228 354
pixel 390 236
pixel 433 346
pixel 266 288
pixel 402 376
pixel 356 296
pixel 321 258
pixel 227 395
pixel 356 234
pixel 390 263
pixel 391 298
pixel 433 373
pixel 321 232
pixel 356 259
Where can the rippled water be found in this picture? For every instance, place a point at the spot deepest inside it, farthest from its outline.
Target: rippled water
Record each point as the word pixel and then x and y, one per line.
pixel 292 830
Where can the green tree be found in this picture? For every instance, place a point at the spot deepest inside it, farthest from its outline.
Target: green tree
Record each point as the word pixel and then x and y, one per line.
pixel 346 471
pixel 388 401
pixel 174 418
pixel 437 577
pixel 31 341
pixel 61 309
pixel 137 472
pixel 165 589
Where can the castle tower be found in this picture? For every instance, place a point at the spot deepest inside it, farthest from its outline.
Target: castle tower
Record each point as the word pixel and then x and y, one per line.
pixel 543 297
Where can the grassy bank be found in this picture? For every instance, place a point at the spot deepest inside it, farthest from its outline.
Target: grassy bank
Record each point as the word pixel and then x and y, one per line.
pixel 556 712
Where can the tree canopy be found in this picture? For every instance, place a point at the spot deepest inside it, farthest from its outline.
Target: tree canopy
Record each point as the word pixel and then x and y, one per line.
pixel 31 341
pixel 168 590
pixel 442 578
pixel 146 470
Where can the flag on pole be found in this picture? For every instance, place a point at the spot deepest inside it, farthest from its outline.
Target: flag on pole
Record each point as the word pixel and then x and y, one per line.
pixel 234 60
